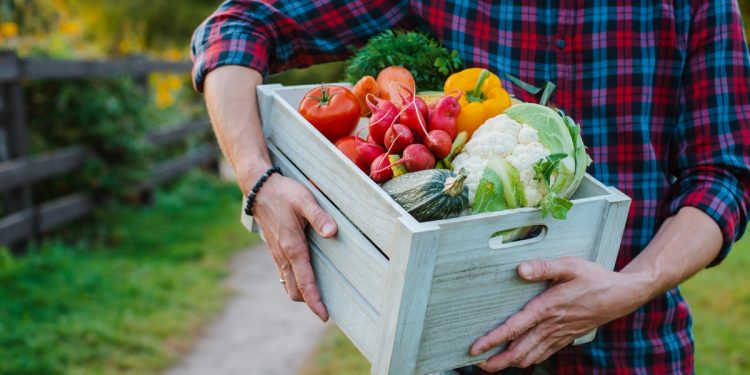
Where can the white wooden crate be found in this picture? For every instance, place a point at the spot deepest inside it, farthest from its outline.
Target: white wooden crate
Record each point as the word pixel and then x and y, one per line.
pixel 414 296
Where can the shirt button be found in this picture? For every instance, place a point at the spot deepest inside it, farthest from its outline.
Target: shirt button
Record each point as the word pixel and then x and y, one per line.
pixel 560 44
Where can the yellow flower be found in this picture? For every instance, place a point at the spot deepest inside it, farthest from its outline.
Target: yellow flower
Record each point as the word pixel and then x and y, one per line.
pixel 69 27
pixel 8 29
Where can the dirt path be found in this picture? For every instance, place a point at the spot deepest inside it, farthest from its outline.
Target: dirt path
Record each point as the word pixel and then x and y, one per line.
pixel 260 331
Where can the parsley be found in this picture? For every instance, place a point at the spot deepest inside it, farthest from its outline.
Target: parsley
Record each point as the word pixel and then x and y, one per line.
pixel 429 62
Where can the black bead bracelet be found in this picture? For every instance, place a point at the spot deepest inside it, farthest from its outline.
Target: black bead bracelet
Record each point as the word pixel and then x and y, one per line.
pixel 256 188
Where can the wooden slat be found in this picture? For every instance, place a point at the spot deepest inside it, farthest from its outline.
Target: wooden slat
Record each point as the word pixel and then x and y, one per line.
pixel 62 210
pixel 62 69
pixel 174 168
pixel 34 168
pixel 179 132
pixel 16 226
pixel 356 258
pixel 356 318
pixel 8 67
pixel 408 285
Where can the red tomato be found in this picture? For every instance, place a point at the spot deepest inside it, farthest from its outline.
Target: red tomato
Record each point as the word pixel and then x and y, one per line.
pixel 333 110
pixel 348 146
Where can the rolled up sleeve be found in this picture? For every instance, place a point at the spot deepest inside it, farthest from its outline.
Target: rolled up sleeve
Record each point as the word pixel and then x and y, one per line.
pixel 271 36
pixel 711 145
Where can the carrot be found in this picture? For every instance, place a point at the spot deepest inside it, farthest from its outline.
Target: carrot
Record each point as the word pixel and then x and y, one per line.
pixel 366 85
pixel 391 79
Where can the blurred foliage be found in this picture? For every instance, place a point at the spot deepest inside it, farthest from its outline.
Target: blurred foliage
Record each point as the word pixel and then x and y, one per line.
pixel 108 116
pixel 83 28
pixel 127 305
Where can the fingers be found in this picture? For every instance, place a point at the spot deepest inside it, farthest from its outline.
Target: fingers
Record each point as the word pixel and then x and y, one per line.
pixel 512 329
pixel 562 269
pixel 320 220
pixel 305 283
pixel 518 353
pixel 299 274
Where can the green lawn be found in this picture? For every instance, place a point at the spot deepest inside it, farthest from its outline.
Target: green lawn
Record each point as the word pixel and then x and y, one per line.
pixel 129 304
pixel 719 298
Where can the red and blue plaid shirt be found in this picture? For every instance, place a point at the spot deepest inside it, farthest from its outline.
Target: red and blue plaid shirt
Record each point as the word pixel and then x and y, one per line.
pixel 661 88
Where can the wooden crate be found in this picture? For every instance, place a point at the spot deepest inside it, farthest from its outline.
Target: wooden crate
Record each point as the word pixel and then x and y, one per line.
pixel 413 296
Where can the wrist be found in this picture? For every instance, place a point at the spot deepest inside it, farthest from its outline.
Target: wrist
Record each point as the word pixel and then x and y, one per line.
pixel 249 176
pixel 640 286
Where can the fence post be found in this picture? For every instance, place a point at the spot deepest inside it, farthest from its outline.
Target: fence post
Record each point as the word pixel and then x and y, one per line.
pixel 147 195
pixel 13 121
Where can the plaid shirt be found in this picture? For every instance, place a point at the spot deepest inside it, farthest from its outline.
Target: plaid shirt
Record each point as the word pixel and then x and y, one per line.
pixel 662 90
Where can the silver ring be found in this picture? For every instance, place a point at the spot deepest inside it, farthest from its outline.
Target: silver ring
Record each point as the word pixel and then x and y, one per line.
pixel 282 281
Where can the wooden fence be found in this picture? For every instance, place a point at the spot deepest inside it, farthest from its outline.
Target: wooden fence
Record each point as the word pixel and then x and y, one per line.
pixel 26 219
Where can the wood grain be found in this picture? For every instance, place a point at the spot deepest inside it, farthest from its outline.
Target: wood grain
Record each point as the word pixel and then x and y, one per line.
pixel 410 278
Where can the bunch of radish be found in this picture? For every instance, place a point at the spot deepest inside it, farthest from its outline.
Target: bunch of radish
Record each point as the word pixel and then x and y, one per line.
pixel 413 137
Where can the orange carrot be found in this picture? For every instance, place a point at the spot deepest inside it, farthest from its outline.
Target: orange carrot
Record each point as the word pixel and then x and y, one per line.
pixel 387 79
pixel 366 85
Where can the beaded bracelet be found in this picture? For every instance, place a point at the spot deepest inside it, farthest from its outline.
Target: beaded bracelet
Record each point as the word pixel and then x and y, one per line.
pixel 256 188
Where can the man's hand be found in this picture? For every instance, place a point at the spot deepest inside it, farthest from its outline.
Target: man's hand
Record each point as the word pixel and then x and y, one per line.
pixel 283 208
pixel 582 296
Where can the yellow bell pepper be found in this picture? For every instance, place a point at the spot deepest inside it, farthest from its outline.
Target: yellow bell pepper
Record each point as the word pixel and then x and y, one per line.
pixel 482 97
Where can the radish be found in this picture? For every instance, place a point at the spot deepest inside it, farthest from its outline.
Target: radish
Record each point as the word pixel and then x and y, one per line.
pixel 397 138
pixel 439 142
pixel 417 157
pixel 443 115
pixel 380 170
pixel 414 114
pixel 367 151
pixel 384 114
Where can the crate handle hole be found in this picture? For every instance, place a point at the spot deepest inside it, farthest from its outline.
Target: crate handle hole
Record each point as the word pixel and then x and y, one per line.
pixel 528 235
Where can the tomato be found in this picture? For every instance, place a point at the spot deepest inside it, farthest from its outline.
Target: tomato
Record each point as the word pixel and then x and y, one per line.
pixel 348 146
pixel 333 110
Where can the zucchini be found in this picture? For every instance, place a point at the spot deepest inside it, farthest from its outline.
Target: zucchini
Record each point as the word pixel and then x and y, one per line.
pixel 431 194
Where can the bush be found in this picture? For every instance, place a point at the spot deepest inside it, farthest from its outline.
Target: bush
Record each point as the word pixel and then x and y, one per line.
pixel 107 116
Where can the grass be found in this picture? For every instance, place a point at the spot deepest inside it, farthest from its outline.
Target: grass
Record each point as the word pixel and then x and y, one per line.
pixel 719 298
pixel 127 305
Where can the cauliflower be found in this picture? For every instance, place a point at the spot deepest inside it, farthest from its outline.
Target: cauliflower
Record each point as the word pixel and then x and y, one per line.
pixel 530 155
pixel 518 144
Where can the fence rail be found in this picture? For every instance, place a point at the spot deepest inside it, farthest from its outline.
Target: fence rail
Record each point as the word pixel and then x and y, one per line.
pixel 25 219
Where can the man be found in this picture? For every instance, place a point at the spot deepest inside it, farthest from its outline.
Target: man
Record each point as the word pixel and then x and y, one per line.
pixel 662 90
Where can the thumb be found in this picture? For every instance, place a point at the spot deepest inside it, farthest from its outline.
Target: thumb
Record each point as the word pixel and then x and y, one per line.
pixel 540 270
pixel 320 220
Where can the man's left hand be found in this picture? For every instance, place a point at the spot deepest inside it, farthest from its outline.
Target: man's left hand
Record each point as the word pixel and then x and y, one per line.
pixel 581 296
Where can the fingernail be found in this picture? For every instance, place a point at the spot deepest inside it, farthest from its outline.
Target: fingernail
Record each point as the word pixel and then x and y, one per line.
pixel 328 229
pixel 526 270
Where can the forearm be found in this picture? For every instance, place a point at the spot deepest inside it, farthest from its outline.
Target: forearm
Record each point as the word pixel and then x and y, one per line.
pixel 232 107
pixel 684 244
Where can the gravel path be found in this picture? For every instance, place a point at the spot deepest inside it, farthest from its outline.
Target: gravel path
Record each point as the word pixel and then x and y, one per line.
pixel 260 331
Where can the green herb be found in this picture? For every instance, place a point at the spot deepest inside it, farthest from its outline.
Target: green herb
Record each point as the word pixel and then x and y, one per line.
pixel 429 62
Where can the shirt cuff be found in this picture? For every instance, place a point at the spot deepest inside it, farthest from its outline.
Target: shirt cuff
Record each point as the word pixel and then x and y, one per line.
pixel 243 49
pixel 718 196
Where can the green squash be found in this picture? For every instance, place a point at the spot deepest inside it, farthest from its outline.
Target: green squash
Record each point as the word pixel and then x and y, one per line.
pixel 432 194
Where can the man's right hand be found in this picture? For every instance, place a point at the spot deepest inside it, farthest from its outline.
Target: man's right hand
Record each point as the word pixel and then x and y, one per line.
pixel 282 207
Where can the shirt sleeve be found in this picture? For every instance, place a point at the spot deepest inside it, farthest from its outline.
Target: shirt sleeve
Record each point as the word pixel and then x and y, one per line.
pixel 271 36
pixel 711 148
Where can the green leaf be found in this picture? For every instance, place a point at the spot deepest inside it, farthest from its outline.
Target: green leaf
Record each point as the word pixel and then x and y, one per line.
pixel 555 205
pixel 533 90
pixel 544 167
pixel 549 88
pixel 490 195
